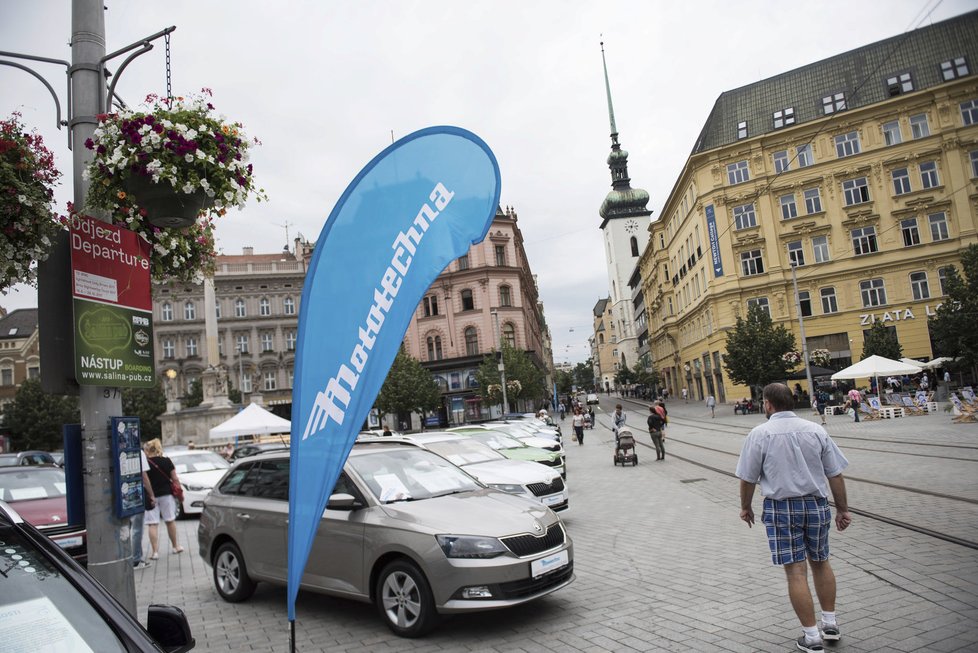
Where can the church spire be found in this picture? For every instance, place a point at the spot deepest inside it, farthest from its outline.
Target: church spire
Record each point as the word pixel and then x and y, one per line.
pixel 623 201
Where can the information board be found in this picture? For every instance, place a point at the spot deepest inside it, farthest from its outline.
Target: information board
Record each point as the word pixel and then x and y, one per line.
pixel 128 472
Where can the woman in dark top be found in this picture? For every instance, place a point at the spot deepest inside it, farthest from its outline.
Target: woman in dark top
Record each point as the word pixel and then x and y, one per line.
pixel 161 472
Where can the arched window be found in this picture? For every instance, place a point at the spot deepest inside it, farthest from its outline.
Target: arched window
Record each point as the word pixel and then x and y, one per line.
pixel 264 306
pixel 505 296
pixel 468 304
pixel 189 311
pixel 239 308
pixel 434 348
pixel 509 334
pixel 634 243
pixel 600 338
pixel 471 342
pixel 166 312
pixel 289 305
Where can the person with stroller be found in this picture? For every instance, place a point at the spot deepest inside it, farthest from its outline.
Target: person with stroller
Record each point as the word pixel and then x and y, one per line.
pixel 656 426
pixel 577 421
pixel 618 420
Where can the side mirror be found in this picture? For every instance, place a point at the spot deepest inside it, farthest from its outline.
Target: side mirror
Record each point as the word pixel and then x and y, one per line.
pixel 169 627
pixel 342 501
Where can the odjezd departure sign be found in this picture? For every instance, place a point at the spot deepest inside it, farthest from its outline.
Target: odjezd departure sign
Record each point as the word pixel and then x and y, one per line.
pixel 113 310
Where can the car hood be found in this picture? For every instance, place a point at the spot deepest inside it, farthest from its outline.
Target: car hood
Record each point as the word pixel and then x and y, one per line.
pixel 43 512
pixel 511 471
pixel 541 443
pixel 204 479
pixel 481 512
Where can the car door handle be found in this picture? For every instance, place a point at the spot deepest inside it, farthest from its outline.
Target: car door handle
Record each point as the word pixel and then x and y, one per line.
pixel 243 515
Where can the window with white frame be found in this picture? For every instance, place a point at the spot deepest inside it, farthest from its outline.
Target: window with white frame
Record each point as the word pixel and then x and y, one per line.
pixel 241 343
pixel 954 68
pixel 864 241
pixel 788 208
pixel 873 292
pixel 509 335
pixel 430 304
pixel 7 376
pixel 239 308
pixel 784 117
pixel 820 248
pixel 463 262
pixel 288 306
pixel 969 112
pixel 782 161
pixel 290 376
pixel 856 191
pixel 166 312
pixel 829 302
pixel 897 84
pixel 751 263
pixel 919 286
pixel 266 341
pixel 744 216
pixel 891 133
pixel 813 201
pixel 742 129
pixel 973 156
pixel 761 303
pixel 290 338
pixel 918 126
pixel 833 103
pixel 942 275
pixel 804 156
pixel 217 309
pixel 938 226
pixel 169 348
pixel 246 382
pixel 795 253
pixel 269 378
pixel 264 307
pixel 471 342
pixel 847 144
pixel 191 345
pixel 737 173
pixel 805 303
pixel 505 296
pixel 928 175
pixel 911 235
pixel 901 181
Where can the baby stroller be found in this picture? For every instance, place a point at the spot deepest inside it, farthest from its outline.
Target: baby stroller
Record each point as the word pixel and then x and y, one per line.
pixel 625 448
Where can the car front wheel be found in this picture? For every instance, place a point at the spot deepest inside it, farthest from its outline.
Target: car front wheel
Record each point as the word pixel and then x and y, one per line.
pixel 404 599
pixel 230 574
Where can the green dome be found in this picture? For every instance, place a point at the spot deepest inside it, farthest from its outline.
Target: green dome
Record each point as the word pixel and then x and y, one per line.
pixel 624 202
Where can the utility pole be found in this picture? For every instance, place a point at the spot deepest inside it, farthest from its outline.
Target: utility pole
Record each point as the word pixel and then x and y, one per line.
pixel 801 328
pixel 109 541
pixel 502 365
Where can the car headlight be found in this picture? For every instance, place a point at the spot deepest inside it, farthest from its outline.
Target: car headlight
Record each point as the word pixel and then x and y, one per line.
pixel 470 546
pixel 195 488
pixel 512 488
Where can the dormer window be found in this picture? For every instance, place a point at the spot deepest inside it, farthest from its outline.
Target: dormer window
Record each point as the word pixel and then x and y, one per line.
pixel 954 68
pixel 898 84
pixel 833 103
pixel 742 129
pixel 784 117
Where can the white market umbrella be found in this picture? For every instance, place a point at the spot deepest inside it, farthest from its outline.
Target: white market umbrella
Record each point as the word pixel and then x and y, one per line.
pixel 910 361
pixel 876 366
pixel 938 362
pixel 253 420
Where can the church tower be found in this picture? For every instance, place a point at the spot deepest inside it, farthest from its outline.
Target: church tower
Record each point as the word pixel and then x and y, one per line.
pixel 625 225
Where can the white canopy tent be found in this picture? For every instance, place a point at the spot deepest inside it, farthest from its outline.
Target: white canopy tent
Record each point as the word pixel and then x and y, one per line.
pixel 876 366
pixel 910 361
pixel 253 420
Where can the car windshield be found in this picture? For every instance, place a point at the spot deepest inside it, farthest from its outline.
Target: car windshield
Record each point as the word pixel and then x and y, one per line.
pixel 410 474
pixel 40 607
pixel 200 461
pixel 32 483
pixel 465 452
pixel 497 439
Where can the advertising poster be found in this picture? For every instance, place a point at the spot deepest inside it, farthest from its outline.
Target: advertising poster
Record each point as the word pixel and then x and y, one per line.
pixel 113 309
pixel 128 472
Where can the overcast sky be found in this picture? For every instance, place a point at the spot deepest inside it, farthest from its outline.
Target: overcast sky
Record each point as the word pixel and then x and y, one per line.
pixel 324 85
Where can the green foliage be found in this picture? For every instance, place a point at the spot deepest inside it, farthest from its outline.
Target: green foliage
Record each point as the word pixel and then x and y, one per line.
pixel 529 380
pixel 754 348
pixel 624 376
pixel 953 327
pixel 195 394
pixel 878 340
pixel 409 387
pixel 564 380
pixel 584 374
pixel 648 378
pixel 35 418
pixel 147 404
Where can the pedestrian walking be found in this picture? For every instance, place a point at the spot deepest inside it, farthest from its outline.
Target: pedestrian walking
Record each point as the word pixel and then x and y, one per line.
pixel 656 426
pixel 796 463
pixel 136 521
pixel 819 403
pixel 563 411
pixel 711 403
pixel 577 421
pixel 590 412
pixel 162 476
pixel 617 420
pixel 855 398
pixel 686 395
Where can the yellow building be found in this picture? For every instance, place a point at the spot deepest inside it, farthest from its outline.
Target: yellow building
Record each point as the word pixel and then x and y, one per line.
pixel 861 170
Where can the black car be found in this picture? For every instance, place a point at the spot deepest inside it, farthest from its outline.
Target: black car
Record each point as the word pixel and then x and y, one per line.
pixel 46 596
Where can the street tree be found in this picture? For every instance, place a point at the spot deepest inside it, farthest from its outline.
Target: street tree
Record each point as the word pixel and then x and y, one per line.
pixel 408 388
pixel 195 394
pixel 529 380
pixel 754 350
pixel 624 376
pixel 953 327
pixel 564 380
pixel 147 404
pixel 584 374
pixel 880 340
pixel 35 418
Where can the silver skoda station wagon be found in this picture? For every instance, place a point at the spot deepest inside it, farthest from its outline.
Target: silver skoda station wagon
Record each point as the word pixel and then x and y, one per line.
pixel 404 529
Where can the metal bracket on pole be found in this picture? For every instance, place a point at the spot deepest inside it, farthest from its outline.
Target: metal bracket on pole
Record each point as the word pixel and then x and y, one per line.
pixel 57 103
pixel 144 45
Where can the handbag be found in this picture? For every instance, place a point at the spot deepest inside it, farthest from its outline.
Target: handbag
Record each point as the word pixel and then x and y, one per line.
pixel 175 488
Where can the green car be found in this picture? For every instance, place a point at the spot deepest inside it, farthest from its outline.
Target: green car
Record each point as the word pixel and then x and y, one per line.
pixel 513 448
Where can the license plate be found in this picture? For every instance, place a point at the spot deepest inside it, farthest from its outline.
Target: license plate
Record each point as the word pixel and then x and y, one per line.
pixel 552 499
pixel 545 565
pixel 69 542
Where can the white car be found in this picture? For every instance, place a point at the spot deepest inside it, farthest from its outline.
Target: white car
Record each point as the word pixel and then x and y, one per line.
pixel 521 477
pixel 528 437
pixel 592 399
pixel 199 471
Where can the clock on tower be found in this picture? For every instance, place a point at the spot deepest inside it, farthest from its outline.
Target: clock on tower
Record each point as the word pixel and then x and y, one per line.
pixel 631 226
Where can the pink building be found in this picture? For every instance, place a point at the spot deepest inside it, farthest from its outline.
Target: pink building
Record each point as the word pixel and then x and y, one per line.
pixel 454 326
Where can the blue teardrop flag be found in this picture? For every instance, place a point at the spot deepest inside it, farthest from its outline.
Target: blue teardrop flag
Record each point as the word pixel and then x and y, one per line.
pixel 413 209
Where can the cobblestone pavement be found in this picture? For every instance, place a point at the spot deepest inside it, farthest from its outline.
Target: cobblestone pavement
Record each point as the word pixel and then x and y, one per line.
pixel 663 562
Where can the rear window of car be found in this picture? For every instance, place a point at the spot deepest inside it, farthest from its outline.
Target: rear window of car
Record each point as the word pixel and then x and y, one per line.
pixel 32 483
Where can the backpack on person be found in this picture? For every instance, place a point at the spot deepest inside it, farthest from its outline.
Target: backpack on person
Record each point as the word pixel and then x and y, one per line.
pixel 655 422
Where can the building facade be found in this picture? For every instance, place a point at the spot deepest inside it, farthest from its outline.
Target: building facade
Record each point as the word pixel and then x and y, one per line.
pixel 605 354
pixel 481 299
pixel 858 171
pixel 20 354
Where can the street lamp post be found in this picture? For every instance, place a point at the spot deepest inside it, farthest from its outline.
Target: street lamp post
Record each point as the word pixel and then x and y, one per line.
pixel 502 366
pixel 801 328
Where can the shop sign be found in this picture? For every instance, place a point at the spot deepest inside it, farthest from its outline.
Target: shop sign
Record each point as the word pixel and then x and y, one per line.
pixel 896 315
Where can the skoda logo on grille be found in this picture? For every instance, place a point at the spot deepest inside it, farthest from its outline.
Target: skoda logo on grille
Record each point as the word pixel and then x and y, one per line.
pixel 537 528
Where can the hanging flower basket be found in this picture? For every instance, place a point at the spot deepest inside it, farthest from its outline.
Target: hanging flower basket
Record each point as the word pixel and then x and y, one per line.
pixel 167 173
pixel 820 357
pixel 28 224
pixel 791 358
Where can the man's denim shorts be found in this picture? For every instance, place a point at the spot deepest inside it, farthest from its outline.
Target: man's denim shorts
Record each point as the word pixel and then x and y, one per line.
pixel 797 528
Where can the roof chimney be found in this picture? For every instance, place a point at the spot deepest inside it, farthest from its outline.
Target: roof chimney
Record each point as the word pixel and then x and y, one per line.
pixel 248 251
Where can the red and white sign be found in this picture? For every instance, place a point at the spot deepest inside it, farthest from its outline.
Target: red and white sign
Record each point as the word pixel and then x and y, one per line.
pixel 109 264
